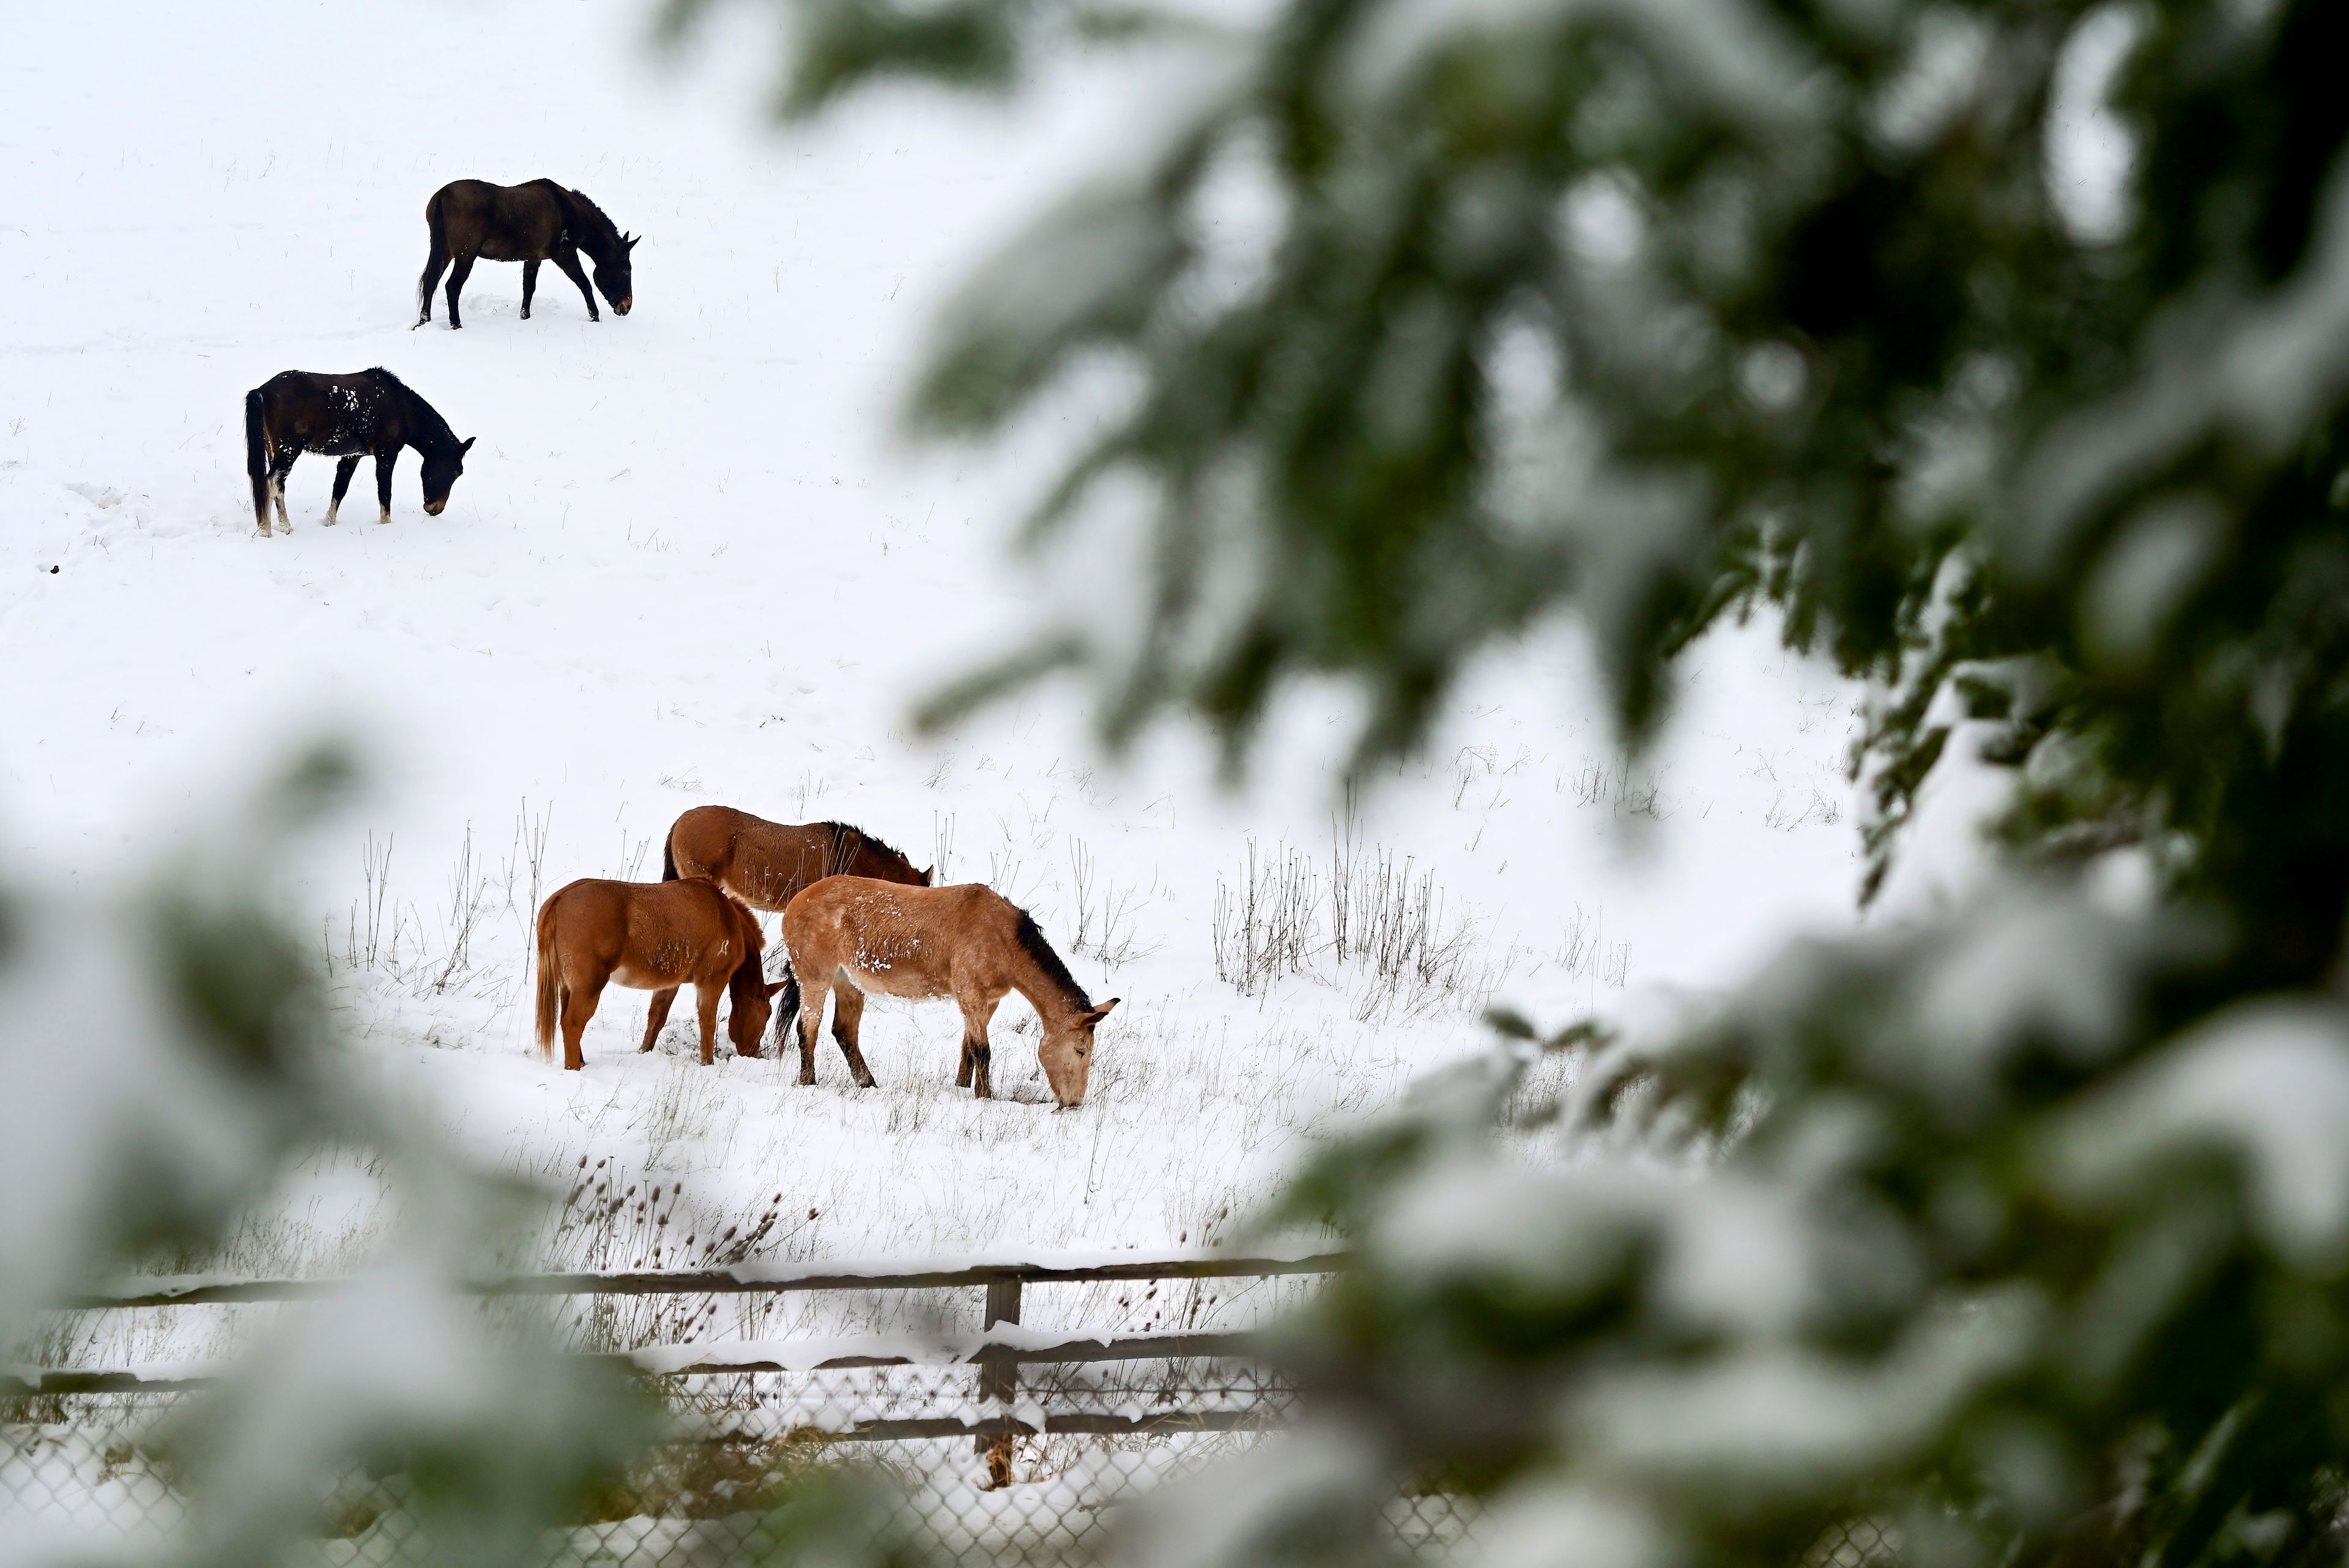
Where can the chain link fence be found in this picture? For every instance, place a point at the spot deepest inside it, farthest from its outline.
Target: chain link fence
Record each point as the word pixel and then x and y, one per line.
pixel 1010 1448
pixel 89 1470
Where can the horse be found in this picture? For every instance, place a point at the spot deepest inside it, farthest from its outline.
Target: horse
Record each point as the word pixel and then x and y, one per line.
pixel 530 224
pixel 858 935
pixel 656 937
pixel 765 864
pixel 371 414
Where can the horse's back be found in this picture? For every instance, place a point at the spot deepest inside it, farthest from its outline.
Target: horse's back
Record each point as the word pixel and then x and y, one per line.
pixel 498 222
pixel 855 909
pixel 706 835
pixel 653 927
pixel 319 412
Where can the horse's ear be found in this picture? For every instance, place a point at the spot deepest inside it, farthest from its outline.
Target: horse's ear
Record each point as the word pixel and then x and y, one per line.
pixel 1098 1014
pixel 467 444
pixel 926 870
pixel 632 241
pixel 774 986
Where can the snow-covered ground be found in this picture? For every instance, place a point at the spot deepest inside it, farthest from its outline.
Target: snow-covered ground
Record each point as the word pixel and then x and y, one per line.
pixel 687 565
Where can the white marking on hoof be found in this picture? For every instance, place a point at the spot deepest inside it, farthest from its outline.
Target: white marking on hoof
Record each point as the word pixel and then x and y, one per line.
pixel 387 515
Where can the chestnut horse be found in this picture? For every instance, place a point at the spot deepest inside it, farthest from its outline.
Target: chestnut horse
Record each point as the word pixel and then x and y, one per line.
pixel 765 864
pixel 650 936
pixel 857 935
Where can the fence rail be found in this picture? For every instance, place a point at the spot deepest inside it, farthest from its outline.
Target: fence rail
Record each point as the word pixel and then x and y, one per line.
pixel 999 1360
pixel 989 1352
pixel 991 1412
pixel 205 1292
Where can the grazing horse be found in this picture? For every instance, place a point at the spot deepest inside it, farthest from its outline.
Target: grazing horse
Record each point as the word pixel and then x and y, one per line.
pixel 765 864
pixel 969 943
pixel 472 218
pixel 651 935
pixel 371 414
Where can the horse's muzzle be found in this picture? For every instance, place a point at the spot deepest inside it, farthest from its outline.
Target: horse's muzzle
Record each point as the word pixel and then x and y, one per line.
pixel 433 508
pixel 623 306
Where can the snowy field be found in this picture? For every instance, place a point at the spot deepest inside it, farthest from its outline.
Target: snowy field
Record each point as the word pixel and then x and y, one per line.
pixel 687 565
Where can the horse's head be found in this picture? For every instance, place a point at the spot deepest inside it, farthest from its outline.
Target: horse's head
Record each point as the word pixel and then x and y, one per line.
pixel 616 278
pixel 754 1007
pixel 441 472
pixel 1067 1053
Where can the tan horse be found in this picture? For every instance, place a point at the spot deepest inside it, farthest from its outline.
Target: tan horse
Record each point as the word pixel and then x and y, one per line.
pixel 859 935
pixel 765 864
pixel 656 937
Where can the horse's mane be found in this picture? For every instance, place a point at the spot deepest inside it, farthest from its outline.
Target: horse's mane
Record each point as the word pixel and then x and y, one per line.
pixel 842 832
pixel 435 427
pixel 583 207
pixel 1032 941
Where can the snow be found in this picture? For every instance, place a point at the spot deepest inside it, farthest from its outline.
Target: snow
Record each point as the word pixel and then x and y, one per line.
pixel 2266 1083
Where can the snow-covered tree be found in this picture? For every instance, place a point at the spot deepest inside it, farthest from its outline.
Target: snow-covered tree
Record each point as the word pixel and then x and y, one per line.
pixel 2001 349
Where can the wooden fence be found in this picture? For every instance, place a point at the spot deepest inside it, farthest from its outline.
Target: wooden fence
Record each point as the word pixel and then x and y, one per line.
pixel 997 1360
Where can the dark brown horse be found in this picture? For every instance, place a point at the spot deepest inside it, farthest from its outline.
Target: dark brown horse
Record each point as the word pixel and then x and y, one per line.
pixel 371 414
pixel 854 935
pixel 765 864
pixel 473 220
pixel 656 937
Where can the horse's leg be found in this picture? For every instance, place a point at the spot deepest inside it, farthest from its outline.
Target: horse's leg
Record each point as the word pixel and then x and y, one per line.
pixel 436 262
pixel 978 1010
pixel 655 1016
pixel 383 466
pixel 278 473
pixel 847 1021
pixel 459 269
pixel 568 259
pixel 529 286
pixel 578 1007
pixel 810 1020
pixel 344 469
pixel 707 995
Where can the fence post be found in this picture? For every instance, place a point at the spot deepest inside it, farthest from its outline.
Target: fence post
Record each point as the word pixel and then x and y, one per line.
pixel 999 1381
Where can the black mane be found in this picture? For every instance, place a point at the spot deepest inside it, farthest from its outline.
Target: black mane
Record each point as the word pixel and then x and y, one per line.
pixel 435 428
pixel 1031 940
pixel 841 832
pixel 597 234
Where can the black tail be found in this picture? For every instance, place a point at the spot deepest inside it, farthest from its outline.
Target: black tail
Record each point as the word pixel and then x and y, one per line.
pixel 434 263
pixel 257 457
pixel 668 861
pixel 787 1006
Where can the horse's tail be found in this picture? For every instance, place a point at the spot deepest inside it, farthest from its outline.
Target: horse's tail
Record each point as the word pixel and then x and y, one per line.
pixel 256 455
pixel 668 856
pixel 547 979
pixel 787 1005
pixel 436 260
